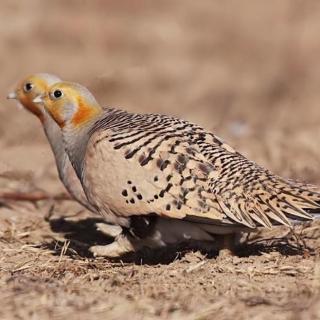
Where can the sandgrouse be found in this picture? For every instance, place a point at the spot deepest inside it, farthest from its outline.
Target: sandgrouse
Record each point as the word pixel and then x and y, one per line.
pixel 26 91
pixel 139 169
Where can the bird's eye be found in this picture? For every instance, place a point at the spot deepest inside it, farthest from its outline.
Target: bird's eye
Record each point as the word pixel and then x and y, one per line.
pixel 56 94
pixel 28 87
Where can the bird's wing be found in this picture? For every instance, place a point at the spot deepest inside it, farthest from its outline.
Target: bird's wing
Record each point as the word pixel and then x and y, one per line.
pixel 157 164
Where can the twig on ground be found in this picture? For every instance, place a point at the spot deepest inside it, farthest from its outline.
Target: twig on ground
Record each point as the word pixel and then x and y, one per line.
pixel 196 266
pixel 32 196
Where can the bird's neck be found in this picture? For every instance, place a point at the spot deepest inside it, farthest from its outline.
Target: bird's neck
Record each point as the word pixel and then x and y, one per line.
pixel 54 135
pixel 75 140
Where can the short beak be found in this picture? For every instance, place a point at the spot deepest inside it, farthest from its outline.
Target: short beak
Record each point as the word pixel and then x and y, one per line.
pixel 38 99
pixel 12 95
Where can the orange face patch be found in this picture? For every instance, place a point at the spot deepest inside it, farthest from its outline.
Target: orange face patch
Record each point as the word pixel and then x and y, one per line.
pixel 26 98
pixel 31 106
pixel 83 114
pixel 56 115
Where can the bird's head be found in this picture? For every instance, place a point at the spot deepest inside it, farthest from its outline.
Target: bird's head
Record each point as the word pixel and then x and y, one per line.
pixel 70 103
pixel 32 87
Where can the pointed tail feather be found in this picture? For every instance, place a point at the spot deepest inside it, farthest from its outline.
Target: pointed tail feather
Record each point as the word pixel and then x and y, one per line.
pixel 273 201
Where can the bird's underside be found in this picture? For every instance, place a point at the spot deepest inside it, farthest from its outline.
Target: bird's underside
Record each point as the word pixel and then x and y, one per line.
pixel 154 164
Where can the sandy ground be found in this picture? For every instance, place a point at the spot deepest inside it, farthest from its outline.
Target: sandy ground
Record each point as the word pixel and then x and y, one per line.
pixel 248 71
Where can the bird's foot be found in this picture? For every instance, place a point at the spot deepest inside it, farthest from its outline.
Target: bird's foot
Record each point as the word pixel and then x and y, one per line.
pixel 108 229
pixel 227 246
pixel 118 248
pixel 225 253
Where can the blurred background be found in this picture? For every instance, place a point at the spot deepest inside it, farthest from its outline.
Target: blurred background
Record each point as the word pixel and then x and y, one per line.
pixel 246 70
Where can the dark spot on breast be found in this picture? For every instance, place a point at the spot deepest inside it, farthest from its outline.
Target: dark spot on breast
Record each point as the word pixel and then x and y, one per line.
pixel 169 186
pixel 144 160
pixel 164 164
pixel 168 207
pixel 134 189
pixel 129 154
pixel 129 182
pixel 156 196
pixel 141 158
pixel 139 196
pixel 142 227
pixel 169 177
pixel 132 200
pixel 179 205
pixel 125 193
pixel 156 179
pixel 161 194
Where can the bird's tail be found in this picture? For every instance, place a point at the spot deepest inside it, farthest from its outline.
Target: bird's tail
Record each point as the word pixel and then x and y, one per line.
pixel 271 200
pixel 294 201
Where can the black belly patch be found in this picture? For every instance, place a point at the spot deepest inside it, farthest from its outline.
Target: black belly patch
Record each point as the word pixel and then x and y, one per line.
pixel 142 226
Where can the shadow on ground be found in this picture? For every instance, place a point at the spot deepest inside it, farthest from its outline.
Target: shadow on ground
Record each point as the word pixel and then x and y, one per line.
pixel 82 234
pixel 281 245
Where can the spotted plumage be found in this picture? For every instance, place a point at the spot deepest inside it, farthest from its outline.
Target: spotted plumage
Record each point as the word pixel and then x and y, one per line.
pixel 141 164
pixel 199 174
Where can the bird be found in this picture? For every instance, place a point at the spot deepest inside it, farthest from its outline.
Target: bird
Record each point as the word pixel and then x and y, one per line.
pixel 25 92
pixel 146 171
